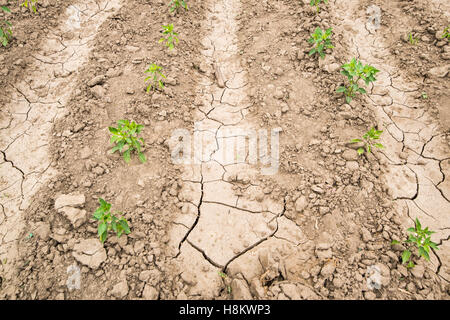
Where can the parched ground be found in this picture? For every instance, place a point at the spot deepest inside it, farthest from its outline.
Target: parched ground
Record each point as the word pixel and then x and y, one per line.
pixel 224 226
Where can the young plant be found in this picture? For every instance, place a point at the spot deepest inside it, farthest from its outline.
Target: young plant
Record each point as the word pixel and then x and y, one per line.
pixel 317 3
pixel 5 28
pixel 446 33
pixel 412 40
pixel 224 277
pixel 321 41
pixel 424 95
pixel 30 3
pixel 421 238
pixel 171 36
pixel 154 77
pixel 355 71
pixel 176 4
pixel 108 221
pixel 369 141
pixel 126 135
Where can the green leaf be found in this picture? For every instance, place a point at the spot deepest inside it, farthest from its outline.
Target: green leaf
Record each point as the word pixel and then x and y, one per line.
pixel 424 253
pixel 115 149
pixel 340 89
pixel 124 225
pixel 98 214
pixel 405 256
pixel 434 245
pixel 418 225
pixel 355 140
pixel 127 156
pixel 395 242
pixel 113 130
pixel 142 157
pixel 360 151
pixel 103 236
pixel 102 228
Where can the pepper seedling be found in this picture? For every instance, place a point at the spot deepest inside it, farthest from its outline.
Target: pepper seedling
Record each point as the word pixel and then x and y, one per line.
pixel 446 34
pixel 5 28
pixel 108 221
pixel 177 4
pixel 126 134
pixel 171 36
pixel 356 71
pixel 32 4
pixel 317 4
pixel 421 238
pixel 369 141
pixel 154 77
pixel 321 41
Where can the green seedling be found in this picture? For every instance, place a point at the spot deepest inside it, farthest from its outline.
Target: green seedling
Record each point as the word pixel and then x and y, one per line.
pixel 154 77
pixel 355 71
pixel 412 40
pixel 317 3
pixel 171 36
pixel 421 238
pixel 321 41
pixel 424 95
pixel 369 139
pixel 108 221
pixel 5 28
pixel 224 276
pixel 446 33
pixel 176 4
pixel 126 134
pixel 32 4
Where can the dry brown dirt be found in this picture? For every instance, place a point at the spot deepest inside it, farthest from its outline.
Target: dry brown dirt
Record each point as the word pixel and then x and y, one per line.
pixel 221 227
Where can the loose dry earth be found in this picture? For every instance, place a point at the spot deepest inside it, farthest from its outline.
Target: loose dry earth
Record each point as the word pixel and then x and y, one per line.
pixel 314 229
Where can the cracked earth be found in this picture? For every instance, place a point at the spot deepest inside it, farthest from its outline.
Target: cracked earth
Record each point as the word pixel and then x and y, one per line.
pixel 307 220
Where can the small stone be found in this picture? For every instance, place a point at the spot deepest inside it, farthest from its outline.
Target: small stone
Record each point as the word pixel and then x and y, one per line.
pixel 439 72
pixel 240 290
pixel 317 189
pixel 120 290
pixel 150 293
pixel 366 235
pixel 96 81
pixel 90 252
pixel 85 153
pixel 132 48
pixel 278 94
pixel 70 200
pixel 350 155
pixel 411 287
pixel 300 204
pixel 328 269
pixel 418 271
pixel 257 289
pixel 76 216
pixel 352 165
pixel 369 295
pixel 42 230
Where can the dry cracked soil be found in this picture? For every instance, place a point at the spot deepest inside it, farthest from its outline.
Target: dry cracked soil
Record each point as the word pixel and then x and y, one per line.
pixel 309 218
